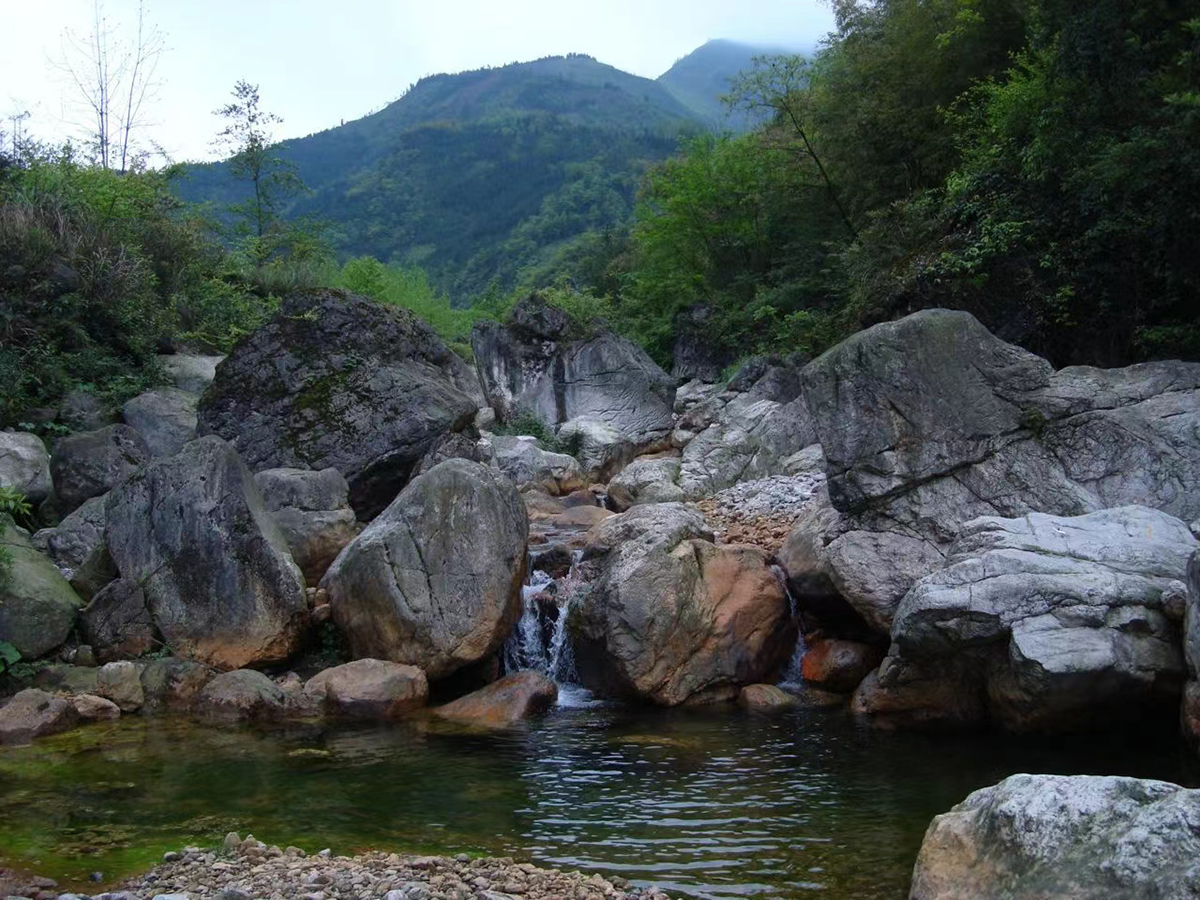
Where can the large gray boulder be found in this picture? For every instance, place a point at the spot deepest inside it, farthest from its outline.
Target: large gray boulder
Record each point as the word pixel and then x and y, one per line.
pixel 1079 837
pixel 336 380
pixel 602 449
pixel 1190 713
pixel 435 580
pixel 674 618
pixel 531 467
pixel 165 417
pixel 192 530
pixel 75 538
pixel 312 510
pixel 190 372
pixel 117 623
pixel 648 480
pixel 1044 623
pixel 25 465
pixel 37 606
pixel 543 362
pixel 931 421
pixel 93 463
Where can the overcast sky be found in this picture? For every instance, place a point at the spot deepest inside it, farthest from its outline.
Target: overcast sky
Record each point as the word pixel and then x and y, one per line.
pixel 317 63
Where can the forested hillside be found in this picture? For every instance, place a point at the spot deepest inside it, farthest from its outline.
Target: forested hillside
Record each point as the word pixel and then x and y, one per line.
pixel 702 78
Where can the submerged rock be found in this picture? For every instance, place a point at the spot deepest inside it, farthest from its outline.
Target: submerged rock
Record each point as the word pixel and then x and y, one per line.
pixel 1078 837
pixel 336 380
pixel 673 618
pixel 217 575
pixel 515 697
pixel 435 580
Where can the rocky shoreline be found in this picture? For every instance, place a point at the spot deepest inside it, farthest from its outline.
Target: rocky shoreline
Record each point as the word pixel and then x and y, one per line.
pixel 248 869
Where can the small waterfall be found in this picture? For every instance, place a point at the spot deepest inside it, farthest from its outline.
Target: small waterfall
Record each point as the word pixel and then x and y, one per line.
pixel 525 648
pixel 792 672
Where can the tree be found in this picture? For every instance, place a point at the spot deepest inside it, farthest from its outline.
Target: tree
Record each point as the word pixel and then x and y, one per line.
pixel 115 84
pixel 248 134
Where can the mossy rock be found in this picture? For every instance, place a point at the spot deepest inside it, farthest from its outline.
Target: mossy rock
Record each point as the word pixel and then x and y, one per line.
pixel 37 605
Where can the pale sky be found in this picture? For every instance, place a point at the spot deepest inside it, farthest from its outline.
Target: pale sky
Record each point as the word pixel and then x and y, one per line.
pixel 317 63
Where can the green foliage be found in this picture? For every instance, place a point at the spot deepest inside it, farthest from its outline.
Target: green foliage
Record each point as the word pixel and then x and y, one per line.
pixel 9 656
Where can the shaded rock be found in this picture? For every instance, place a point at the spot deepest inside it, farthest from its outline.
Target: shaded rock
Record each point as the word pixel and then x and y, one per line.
pixel 117 622
pixel 581 517
pixel 695 354
pixel 453 445
pixel 839 666
pixel 121 682
pixel 766 697
pixel 91 708
pixel 541 506
pixel 531 467
pixel 97 569
pixel 37 605
pixel 514 698
pixel 75 538
pixel 1062 622
pixel 555 560
pixel 93 463
pixel 1190 712
pixel 173 684
pixel 369 689
pixel 69 679
pixel 313 513
pixel 33 713
pixel 1071 837
pixel 936 700
pixel 931 421
pixel 220 583
pixel 672 618
pixel 25 465
pixel 646 481
pixel 543 362
pixel 335 380
pixel 189 372
pixel 81 411
pixel 602 449
pixel 435 580
pixel 240 695
pixel 165 417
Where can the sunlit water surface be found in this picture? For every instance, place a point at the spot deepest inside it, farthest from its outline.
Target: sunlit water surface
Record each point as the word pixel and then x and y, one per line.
pixel 718 803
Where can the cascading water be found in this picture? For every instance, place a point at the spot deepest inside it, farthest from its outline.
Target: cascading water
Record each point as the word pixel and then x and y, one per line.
pixel 792 673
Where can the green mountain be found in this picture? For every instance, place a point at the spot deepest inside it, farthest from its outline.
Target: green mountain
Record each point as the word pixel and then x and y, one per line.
pixel 702 78
pixel 481 175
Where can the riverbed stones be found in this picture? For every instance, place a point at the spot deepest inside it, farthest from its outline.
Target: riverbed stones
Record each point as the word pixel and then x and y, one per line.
pixel 165 417
pixel 673 618
pixel 91 708
pixel 75 538
pixel 32 713
pixel 1053 622
pixel 512 699
pixel 544 363
pixel 931 421
pixel 531 467
pixel 312 510
pixel 121 682
pixel 25 465
pixel 1078 837
pixel 92 463
pixel 37 606
pixel 646 480
pixel 217 575
pixel 435 580
pixel 241 695
pixel 336 380
pixel 369 689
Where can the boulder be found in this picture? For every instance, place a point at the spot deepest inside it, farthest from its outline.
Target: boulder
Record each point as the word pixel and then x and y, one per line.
pixel 192 530
pixel 173 684
pixel 1057 622
pixel 531 467
pixel 1190 713
pixel 336 380
pixel 37 606
pixel 512 699
pixel 695 354
pixel 673 618
pixel 646 481
pixel 33 713
pixel 312 510
pixel 117 622
pixel 543 362
pixel 838 666
pixel 602 449
pixel 165 417
pixel 931 421
pixel 369 689
pixel 83 411
pixel 75 538
pixel 121 682
pixel 694 392
pixel 1078 837
pixel 241 695
pixel 189 372
pixel 766 697
pixel 25 465
pixel 91 708
pixel 93 463
pixel 435 580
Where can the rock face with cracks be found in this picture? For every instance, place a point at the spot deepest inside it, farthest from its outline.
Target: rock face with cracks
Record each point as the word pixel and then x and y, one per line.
pixel 335 380
pixel 313 513
pixel 514 698
pixel 673 618
pixel 435 580
pixel 25 465
pixel 92 463
pixel 1078 837
pixel 216 572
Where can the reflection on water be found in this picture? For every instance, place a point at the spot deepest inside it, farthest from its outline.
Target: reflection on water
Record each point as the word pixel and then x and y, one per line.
pixel 717 803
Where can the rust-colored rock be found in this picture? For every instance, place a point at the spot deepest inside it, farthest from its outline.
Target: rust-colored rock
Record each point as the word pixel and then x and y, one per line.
pixel 515 697
pixel 766 697
pixel 369 689
pixel 839 666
